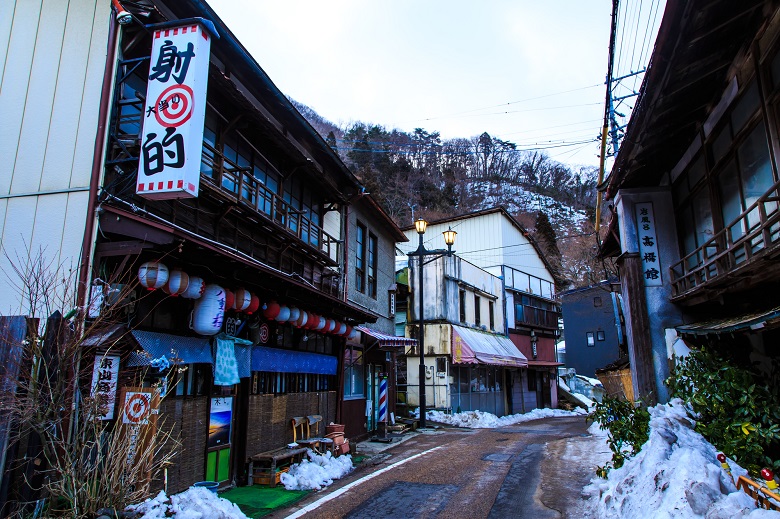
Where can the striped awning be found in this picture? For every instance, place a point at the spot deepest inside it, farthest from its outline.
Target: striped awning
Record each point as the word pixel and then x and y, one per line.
pixel 387 340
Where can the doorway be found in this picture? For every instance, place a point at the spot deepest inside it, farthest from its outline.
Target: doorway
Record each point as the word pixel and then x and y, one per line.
pixel 221 415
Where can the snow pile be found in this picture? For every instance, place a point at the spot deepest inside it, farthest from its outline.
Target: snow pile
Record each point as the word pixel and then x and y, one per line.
pixel 674 475
pixel 480 420
pixel 317 472
pixel 195 503
pixel 579 397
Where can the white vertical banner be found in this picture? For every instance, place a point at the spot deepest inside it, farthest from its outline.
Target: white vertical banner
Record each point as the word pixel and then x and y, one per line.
pixel 105 375
pixel 172 137
pixel 648 244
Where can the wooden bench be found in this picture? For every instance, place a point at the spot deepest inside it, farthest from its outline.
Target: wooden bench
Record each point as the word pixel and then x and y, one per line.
pixel 306 431
pixel 266 465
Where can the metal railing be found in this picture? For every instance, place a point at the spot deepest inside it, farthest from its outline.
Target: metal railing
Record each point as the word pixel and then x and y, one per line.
pixel 524 282
pixel 751 235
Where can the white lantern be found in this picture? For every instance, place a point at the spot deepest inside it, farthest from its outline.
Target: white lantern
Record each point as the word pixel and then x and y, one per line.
pixel 340 329
pixel 209 311
pixel 194 289
pixel 153 274
pixel 243 299
pixel 294 314
pixel 177 282
pixel 284 314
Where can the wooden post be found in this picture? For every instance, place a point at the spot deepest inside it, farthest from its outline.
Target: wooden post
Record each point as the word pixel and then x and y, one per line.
pixel 640 346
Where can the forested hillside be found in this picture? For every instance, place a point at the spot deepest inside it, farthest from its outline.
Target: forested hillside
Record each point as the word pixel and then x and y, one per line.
pixel 419 174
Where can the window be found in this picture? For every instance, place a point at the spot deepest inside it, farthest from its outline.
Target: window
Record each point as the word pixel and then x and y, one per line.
pixel 441 365
pixel 372 264
pixel 360 258
pixel 531 380
pixel 268 383
pixel 491 314
pixel 477 304
pixel 193 381
pixel 591 342
pixel 462 301
pixel 600 335
pixel 354 373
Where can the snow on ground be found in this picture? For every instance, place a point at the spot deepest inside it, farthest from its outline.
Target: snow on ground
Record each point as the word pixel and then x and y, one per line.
pixel 194 503
pixel 317 472
pixel 582 399
pixel 675 475
pixel 480 420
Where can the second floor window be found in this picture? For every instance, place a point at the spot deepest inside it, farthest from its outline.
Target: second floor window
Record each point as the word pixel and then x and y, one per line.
pixel 477 313
pixel 462 301
pixel 372 264
pixel 492 314
pixel 360 258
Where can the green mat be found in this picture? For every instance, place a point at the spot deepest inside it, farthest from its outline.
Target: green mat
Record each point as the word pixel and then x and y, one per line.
pixel 259 500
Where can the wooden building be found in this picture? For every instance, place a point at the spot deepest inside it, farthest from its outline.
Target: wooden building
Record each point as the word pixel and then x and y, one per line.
pixel 159 148
pixel 694 190
pixel 518 303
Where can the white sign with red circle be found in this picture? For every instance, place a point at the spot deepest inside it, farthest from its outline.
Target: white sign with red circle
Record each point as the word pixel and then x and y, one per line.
pixel 174 106
pixel 264 333
pixel 137 408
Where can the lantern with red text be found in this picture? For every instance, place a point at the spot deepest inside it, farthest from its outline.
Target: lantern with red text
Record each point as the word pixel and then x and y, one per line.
pixel 195 288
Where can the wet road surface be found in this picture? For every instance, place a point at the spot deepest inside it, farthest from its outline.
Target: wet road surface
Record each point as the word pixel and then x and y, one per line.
pixel 534 469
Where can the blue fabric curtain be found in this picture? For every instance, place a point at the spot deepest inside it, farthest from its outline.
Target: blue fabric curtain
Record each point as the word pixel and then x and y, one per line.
pixel 177 349
pixel 287 361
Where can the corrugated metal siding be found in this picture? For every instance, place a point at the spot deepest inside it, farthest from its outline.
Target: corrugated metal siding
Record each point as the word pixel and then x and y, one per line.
pixel 51 82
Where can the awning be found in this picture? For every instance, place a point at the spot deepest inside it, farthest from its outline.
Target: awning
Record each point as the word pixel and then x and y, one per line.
pixel 742 323
pixel 387 340
pixel 472 347
pixel 543 363
pixel 175 348
pixel 290 361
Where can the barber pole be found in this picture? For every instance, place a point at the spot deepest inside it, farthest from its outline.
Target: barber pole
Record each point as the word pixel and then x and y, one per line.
pixel 383 399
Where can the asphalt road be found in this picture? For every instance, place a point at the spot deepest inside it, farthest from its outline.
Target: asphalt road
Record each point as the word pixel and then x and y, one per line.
pixel 534 469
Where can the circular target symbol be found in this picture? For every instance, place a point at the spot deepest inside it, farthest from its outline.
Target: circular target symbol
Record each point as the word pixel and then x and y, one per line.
pixel 137 408
pixel 174 106
pixel 264 333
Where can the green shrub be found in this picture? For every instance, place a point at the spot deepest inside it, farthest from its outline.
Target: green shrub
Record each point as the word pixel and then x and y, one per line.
pixel 735 410
pixel 628 426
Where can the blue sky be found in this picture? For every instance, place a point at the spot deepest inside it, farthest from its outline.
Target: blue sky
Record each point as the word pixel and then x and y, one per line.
pixel 527 71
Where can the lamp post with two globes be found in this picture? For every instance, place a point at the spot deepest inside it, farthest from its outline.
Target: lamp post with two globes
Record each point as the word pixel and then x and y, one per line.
pixel 449 239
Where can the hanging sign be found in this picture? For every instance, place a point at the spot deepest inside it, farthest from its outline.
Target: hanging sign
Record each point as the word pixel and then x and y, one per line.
pixel 172 137
pixel 648 244
pixel 137 408
pixel 105 374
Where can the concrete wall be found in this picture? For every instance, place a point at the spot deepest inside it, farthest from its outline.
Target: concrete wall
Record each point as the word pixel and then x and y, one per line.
pixel 52 57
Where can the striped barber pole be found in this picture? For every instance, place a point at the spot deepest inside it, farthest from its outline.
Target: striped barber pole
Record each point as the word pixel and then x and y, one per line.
pixel 383 399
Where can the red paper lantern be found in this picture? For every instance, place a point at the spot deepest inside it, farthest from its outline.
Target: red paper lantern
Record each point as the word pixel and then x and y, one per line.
pixel 272 310
pixel 313 321
pixel 321 322
pixel 253 305
pixel 230 299
pixel 330 324
pixel 340 329
pixel 347 332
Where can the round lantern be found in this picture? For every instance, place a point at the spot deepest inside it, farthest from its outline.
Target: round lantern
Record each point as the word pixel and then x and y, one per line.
pixel 284 314
pixel 347 332
pixel 341 329
pixel 209 311
pixel 230 299
pixel 272 310
pixel 294 314
pixel 153 274
pixel 254 304
pixel 243 299
pixel 329 325
pixel 313 320
pixel 319 323
pixel 194 289
pixel 303 318
pixel 177 282
pixel 353 335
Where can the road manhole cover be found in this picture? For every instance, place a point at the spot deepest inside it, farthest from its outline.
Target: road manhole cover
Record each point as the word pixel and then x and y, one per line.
pixel 498 457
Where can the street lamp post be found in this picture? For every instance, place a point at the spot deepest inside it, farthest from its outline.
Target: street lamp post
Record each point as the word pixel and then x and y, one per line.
pixel 449 238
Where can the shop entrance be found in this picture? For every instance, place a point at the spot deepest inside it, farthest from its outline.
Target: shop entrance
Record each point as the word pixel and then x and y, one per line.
pixel 221 415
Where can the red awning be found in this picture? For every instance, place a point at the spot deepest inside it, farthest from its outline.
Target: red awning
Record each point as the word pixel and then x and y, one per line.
pixel 387 340
pixel 473 346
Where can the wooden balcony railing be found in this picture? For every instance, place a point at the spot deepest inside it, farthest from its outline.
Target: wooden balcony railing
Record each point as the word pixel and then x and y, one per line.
pixel 239 183
pixel 750 236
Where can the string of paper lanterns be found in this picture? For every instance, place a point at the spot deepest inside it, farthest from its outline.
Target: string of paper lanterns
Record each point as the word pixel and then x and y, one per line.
pixel 213 301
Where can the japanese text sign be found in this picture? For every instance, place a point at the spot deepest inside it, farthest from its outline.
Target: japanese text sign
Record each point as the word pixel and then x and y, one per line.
pixel 105 375
pixel 172 137
pixel 648 244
